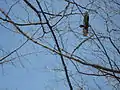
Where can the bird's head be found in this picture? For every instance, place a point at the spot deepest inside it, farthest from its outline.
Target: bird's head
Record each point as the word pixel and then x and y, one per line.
pixel 86 13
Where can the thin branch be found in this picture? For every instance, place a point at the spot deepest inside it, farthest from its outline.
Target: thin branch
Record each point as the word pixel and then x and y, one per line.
pixel 24 24
pixel 58 47
pixel 81 43
pixel 1 59
pixel 114 45
pixel 81 61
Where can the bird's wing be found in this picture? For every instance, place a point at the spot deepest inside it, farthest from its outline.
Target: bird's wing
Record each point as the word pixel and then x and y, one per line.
pixel 86 19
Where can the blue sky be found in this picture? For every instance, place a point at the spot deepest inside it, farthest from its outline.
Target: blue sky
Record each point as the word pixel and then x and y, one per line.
pixel 36 71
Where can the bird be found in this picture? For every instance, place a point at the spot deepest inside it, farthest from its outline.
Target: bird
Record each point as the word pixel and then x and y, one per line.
pixel 85 24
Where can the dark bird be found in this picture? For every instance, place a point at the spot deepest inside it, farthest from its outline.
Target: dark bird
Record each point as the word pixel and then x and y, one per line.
pixel 85 24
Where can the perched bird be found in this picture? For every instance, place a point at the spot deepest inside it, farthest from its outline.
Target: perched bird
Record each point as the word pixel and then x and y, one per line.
pixel 85 24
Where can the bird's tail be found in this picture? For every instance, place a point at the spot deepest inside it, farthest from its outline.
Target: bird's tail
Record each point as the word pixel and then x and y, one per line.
pixel 85 32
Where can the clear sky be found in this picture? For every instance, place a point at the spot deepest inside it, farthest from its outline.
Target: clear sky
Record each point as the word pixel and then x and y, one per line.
pixel 36 71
